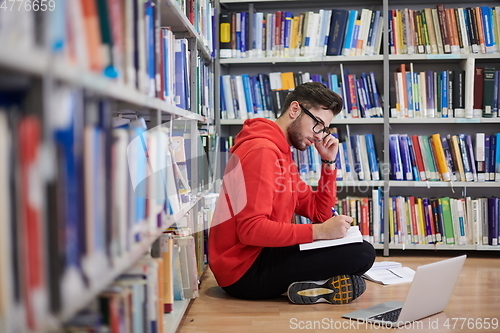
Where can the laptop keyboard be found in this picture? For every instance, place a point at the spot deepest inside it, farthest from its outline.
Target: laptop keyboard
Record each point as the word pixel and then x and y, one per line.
pixel 391 316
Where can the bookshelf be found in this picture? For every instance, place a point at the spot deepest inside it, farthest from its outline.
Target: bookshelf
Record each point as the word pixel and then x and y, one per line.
pixel 384 65
pixel 47 81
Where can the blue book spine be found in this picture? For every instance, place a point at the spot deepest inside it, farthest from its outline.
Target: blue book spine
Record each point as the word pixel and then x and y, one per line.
pixel 373 32
pixel 336 35
pixel 334 82
pixel 405 158
pixel 288 17
pixel 355 36
pixel 345 88
pixel 337 163
pixel 150 35
pixel 496 92
pixel 361 99
pixel 497 157
pixel 223 110
pixel 347 165
pixel 487 28
pixel 310 161
pixel 444 94
pixel 427 218
pixel 472 160
pixel 372 156
pixel 356 155
pixel 465 157
pixel 429 91
pixel 369 37
pixel 376 95
pixel 381 210
pixel 180 68
pixel 409 93
pixel 493 217
pixel 369 89
pixel 449 159
pixel 413 158
pixel 351 22
pixel 390 26
pixel 248 95
pixel 244 32
pixel 256 96
pixel 493 149
pixel 396 168
pixel 487 149
pixel 368 95
pixel 416 95
pixel 303 164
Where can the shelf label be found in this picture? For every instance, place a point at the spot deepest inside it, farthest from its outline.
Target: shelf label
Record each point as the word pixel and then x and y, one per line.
pixel 302 59
pixel 467 120
pixel 443 56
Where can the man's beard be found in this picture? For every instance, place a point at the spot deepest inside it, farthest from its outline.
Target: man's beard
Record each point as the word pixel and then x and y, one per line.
pixel 295 134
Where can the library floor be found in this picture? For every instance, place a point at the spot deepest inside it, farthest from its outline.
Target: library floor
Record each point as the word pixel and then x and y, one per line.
pixel 473 306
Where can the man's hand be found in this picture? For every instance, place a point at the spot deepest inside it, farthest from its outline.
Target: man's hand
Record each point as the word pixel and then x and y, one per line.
pixel 328 147
pixel 334 227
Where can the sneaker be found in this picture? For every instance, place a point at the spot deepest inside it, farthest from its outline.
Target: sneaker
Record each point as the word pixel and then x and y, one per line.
pixel 339 289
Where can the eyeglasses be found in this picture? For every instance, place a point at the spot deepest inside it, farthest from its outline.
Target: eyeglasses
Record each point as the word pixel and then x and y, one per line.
pixel 320 126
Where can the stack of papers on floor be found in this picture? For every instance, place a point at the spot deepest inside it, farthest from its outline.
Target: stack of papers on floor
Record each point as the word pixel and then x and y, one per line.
pixel 389 272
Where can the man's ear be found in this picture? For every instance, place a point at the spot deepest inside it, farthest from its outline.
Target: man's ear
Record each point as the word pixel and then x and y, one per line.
pixel 294 110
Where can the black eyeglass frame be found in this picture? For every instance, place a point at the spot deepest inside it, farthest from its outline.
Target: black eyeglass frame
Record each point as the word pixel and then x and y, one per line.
pixel 318 122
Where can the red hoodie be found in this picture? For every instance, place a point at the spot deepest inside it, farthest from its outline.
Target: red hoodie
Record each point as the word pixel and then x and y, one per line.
pixel 254 209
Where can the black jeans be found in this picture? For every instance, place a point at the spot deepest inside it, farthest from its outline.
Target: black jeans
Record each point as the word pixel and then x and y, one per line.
pixel 277 267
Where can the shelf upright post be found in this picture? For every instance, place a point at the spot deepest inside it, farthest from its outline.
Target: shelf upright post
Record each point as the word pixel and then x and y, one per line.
pixel 386 166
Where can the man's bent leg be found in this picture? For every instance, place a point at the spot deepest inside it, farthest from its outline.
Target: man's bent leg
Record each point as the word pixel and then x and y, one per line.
pixel 276 268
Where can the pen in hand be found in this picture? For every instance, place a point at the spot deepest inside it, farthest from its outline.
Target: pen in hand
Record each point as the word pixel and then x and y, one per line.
pixel 334 212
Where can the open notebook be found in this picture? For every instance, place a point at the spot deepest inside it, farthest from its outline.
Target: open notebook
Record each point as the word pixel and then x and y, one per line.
pixel 352 236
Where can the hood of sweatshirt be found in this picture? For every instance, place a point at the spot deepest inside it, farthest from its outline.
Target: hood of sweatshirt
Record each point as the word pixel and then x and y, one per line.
pixel 261 128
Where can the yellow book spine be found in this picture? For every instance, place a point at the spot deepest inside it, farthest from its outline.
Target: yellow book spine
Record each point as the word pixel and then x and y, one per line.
pixel 440 158
pixel 287 81
pixel 391 221
pixel 421 222
pixel 295 36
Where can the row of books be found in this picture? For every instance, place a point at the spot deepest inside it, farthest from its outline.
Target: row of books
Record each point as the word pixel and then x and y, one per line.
pixel 132 303
pixel 442 94
pixel 412 220
pixel 463 221
pixel 76 217
pixel 443 30
pixel 262 95
pixel 357 160
pixel 366 212
pixel 138 299
pixel 122 40
pixel 445 158
pixel 283 34
pixel 200 14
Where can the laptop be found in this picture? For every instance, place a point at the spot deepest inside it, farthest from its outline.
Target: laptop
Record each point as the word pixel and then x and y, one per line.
pixel 429 293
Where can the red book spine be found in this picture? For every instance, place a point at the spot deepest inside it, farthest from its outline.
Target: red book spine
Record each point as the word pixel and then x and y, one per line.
pixel 418 157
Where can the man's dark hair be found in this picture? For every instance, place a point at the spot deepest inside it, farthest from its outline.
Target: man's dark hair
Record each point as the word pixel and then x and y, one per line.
pixel 314 95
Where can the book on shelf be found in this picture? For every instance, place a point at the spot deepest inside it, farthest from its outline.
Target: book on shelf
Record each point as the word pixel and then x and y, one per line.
pixel 449 157
pixel 443 30
pixel 270 90
pixel 353 236
pixel 309 34
pixel 389 272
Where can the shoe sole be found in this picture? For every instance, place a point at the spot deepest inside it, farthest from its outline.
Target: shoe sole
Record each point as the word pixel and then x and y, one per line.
pixel 341 289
